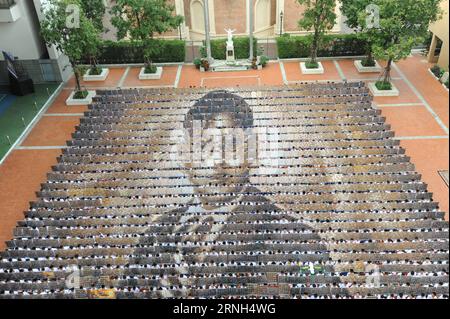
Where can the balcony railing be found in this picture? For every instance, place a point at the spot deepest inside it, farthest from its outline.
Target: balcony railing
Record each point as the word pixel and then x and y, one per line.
pixel 6 4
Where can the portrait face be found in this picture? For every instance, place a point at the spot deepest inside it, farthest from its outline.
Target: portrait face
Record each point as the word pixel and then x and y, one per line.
pixel 223 169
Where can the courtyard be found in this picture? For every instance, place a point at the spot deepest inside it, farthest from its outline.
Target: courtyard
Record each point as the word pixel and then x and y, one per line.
pixel 419 117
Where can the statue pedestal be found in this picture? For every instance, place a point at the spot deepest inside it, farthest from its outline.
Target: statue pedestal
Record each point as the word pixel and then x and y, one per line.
pixel 230 52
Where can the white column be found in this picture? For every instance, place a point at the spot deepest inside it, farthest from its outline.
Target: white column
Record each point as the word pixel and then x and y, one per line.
pixel 179 7
pixel 247 16
pixel 431 57
pixel 250 17
pixel 212 18
pixel 179 10
pixel 207 38
pixel 279 25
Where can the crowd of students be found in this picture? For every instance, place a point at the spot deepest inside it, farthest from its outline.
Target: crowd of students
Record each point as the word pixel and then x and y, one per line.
pixel 344 199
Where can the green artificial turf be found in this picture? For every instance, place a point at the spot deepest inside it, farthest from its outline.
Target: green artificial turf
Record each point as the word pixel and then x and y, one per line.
pixel 11 123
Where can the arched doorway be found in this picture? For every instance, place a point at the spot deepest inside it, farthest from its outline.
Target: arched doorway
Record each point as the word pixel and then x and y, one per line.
pixel 262 14
pixel 197 16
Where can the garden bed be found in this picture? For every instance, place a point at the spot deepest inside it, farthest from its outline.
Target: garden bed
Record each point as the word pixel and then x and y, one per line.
pixel 377 92
pixel 87 99
pixel 439 73
pixel 88 77
pixel 151 76
pixel 305 70
pixel 367 69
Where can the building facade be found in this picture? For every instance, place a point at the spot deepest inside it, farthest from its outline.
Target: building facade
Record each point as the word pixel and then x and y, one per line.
pixel 270 18
pixel 20 31
pixel 20 36
pixel 440 39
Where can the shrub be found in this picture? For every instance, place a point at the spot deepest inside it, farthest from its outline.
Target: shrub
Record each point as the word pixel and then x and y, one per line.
pixel 381 85
pixel 116 52
pixel 254 64
pixel 333 45
pixel 197 63
pixel 79 95
pixel 446 84
pixel 241 48
pixel 149 69
pixel 366 62
pixel 95 70
pixel 205 64
pixel 436 70
pixel 263 60
pixel 312 65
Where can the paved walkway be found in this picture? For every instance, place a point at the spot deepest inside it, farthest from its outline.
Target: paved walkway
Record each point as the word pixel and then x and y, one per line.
pixel 419 117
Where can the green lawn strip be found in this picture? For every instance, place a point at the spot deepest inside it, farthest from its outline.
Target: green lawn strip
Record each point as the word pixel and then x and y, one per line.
pixel 11 123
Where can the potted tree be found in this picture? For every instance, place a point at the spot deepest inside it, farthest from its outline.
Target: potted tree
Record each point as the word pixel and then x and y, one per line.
pixel 204 65
pixel 94 72
pixel 402 25
pixel 71 40
pixel 151 71
pixel 139 20
pixel 197 62
pixel 259 62
pixel 352 9
pixel 319 17
pixel 94 10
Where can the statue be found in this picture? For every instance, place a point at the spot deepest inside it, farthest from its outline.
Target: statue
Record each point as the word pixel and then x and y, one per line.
pixel 230 35
pixel 230 46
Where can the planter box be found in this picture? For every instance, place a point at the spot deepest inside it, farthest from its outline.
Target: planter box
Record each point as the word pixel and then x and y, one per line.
pixel 202 69
pixel 305 70
pixel 151 76
pixel 260 67
pixel 393 92
pixel 101 77
pixel 367 69
pixel 442 79
pixel 433 75
pixel 87 100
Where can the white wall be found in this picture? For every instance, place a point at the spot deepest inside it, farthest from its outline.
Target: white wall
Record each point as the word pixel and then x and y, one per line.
pixel 21 38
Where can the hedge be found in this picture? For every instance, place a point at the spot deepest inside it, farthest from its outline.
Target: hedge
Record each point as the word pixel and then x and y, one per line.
pixel 112 52
pixel 241 48
pixel 333 45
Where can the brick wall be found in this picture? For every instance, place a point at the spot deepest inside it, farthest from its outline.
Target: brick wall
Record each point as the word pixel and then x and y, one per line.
pixel 230 14
pixel 292 13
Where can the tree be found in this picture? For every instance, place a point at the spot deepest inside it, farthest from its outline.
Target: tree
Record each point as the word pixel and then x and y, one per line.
pixel 91 50
pixel 141 19
pixel 319 16
pixel 352 9
pixel 94 11
pixel 69 31
pixel 402 25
